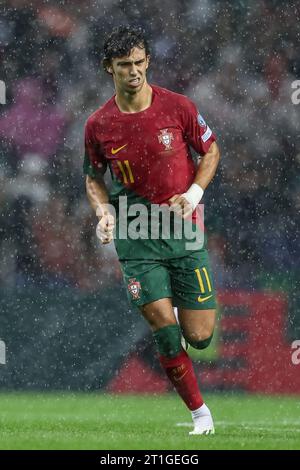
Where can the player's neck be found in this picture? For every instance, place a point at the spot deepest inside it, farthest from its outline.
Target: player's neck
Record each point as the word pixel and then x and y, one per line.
pixel 134 103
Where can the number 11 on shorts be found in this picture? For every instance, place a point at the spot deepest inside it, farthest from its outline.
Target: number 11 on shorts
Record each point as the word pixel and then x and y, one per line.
pixel 200 280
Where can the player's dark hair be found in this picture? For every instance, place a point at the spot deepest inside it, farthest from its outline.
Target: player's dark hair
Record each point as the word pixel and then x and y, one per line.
pixel 121 41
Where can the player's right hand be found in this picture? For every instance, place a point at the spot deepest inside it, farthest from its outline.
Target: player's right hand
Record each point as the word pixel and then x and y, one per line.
pixel 105 228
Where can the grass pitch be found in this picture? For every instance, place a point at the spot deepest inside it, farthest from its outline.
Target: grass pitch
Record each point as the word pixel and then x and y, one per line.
pixel 97 421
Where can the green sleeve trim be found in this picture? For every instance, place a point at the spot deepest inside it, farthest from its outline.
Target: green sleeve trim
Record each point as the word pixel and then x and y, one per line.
pixel 89 169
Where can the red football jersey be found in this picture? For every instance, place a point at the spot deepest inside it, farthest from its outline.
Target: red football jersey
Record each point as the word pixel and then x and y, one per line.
pixel 148 151
pixel 150 160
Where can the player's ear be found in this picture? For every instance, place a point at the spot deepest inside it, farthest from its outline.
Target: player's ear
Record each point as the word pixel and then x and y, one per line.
pixel 107 66
pixel 147 61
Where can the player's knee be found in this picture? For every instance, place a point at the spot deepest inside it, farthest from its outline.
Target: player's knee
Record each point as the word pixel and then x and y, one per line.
pixel 200 341
pixel 168 340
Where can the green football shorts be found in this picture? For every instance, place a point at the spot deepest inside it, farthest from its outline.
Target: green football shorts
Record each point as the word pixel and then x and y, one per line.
pixel 187 280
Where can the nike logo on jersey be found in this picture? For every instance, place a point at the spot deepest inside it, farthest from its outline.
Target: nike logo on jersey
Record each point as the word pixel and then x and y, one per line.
pixel 200 299
pixel 114 151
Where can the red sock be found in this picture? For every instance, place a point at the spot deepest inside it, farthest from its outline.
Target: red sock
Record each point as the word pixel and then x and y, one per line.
pixel 180 371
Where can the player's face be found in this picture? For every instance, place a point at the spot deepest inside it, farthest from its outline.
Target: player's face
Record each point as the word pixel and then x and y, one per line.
pixel 129 72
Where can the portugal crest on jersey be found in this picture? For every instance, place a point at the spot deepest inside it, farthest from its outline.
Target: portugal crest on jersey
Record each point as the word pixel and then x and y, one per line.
pixel 134 288
pixel 165 138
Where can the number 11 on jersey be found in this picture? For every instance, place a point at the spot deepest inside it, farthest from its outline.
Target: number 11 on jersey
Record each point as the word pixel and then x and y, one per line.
pixel 125 169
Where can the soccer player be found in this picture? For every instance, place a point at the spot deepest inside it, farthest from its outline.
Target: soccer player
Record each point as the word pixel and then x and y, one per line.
pixel 144 134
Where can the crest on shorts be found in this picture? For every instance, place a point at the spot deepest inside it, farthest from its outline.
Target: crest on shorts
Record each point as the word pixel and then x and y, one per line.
pixel 165 138
pixel 134 288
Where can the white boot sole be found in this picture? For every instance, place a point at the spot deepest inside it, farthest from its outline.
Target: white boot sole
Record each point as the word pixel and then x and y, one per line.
pixel 202 432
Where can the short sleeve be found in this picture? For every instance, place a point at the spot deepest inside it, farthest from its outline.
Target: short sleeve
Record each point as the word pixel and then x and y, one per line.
pixel 198 134
pixel 94 159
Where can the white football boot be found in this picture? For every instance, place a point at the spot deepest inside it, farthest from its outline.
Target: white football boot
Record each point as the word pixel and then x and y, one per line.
pixel 203 422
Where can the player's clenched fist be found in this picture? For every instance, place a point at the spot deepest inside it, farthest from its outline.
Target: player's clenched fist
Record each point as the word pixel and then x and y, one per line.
pixel 181 206
pixel 184 204
pixel 105 227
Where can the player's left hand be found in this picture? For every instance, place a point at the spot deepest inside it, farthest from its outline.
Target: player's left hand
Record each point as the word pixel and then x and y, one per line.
pixel 181 206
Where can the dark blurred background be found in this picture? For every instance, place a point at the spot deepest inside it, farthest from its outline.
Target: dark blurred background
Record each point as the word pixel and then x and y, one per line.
pixel 237 60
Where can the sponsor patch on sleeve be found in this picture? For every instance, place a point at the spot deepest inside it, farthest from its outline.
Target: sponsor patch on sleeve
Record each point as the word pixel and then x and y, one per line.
pixel 206 134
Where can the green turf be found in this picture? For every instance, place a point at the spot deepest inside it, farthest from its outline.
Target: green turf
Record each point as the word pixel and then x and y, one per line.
pixel 96 421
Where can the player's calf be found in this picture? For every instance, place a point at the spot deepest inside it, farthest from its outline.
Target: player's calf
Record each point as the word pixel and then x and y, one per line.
pixel 168 340
pixel 177 365
pixel 179 369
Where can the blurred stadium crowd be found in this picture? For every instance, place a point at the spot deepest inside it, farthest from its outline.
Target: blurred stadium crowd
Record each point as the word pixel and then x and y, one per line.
pixel 236 60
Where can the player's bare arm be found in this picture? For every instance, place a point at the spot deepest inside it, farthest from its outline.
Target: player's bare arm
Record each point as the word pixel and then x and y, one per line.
pixel 98 197
pixel 208 166
pixel 184 204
